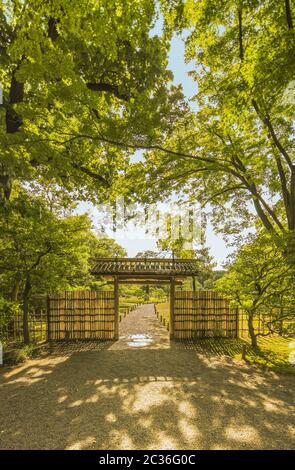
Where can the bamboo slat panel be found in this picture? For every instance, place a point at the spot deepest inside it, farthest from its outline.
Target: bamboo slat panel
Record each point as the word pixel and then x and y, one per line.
pixel 76 315
pixel 203 314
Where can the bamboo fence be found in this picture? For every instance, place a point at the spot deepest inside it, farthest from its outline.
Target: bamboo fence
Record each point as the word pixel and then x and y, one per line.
pixel 78 315
pixel 203 314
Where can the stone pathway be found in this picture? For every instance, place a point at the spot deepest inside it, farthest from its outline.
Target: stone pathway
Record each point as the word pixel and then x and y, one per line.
pixel 142 329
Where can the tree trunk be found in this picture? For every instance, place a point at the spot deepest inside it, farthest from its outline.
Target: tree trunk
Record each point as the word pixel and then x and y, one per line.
pixel 15 290
pixel 281 322
pixel 26 298
pixel 194 284
pixel 252 330
pixel 289 14
pixel 291 220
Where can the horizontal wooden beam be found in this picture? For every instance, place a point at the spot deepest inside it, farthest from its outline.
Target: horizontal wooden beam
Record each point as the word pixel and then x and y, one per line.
pixel 150 282
pixel 144 275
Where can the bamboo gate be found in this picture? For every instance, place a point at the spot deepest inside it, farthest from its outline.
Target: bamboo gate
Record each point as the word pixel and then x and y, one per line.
pixel 94 315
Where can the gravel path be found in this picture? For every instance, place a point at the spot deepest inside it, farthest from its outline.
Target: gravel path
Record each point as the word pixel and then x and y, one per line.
pixel 142 393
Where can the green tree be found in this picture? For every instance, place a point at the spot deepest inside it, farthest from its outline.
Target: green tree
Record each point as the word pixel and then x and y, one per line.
pixel 181 247
pixel 238 147
pixel 102 247
pixel 206 263
pixel 105 247
pixel 40 250
pixel 259 281
pixel 77 76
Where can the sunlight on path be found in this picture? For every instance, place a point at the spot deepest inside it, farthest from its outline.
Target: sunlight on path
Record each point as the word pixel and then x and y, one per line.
pixel 139 341
pixel 142 329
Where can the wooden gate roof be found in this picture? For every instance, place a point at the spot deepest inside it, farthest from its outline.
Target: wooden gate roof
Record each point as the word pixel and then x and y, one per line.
pixel 151 267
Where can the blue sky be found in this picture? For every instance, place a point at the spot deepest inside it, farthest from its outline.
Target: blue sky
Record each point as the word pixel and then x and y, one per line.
pixel 180 71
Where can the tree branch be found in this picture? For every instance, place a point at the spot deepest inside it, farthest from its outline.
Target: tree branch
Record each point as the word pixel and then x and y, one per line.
pixel 139 147
pixel 288 14
pixel 223 191
pixel 237 162
pixel 241 34
pixel 52 28
pixel 268 124
pixel 16 95
pixel 283 180
pixel 113 89
pixel 39 257
pixel 90 173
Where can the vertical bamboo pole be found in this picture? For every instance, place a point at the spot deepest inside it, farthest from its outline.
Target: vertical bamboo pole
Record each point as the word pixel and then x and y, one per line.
pixel 237 323
pixel 116 307
pixel 172 302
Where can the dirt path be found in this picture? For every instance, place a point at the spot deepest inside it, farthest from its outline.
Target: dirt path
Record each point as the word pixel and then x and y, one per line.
pixel 142 329
pixel 140 393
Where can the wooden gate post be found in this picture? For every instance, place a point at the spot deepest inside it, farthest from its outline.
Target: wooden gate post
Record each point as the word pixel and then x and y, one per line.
pixel 116 306
pixel 172 302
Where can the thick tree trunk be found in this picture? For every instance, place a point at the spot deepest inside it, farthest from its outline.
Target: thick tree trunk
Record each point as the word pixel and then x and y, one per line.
pixel 252 330
pixel 13 298
pixel 26 298
pixel 194 284
pixel 289 14
pixel 291 218
pixel 16 95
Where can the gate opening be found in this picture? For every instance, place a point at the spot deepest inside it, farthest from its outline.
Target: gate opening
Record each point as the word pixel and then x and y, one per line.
pixel 95 315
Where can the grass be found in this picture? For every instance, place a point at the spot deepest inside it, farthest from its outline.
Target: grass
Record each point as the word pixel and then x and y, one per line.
pixel 164 312
pixel 274 351
pixel 127 302
pixel 132 299
pixel 21 353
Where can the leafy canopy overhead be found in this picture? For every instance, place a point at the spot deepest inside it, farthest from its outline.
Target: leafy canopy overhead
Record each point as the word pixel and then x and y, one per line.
pixel 238 147
pixel 78 76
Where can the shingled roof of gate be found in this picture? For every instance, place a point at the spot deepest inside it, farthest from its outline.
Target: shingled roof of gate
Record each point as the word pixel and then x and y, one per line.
pixel 137 266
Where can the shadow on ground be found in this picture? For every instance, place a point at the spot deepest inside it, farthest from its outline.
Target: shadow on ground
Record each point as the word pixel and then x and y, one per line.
pixel 219 347
pixel 144 399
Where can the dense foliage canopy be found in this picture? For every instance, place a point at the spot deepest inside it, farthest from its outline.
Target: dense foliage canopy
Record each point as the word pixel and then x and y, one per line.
pixel 236 151
pixel 77 76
